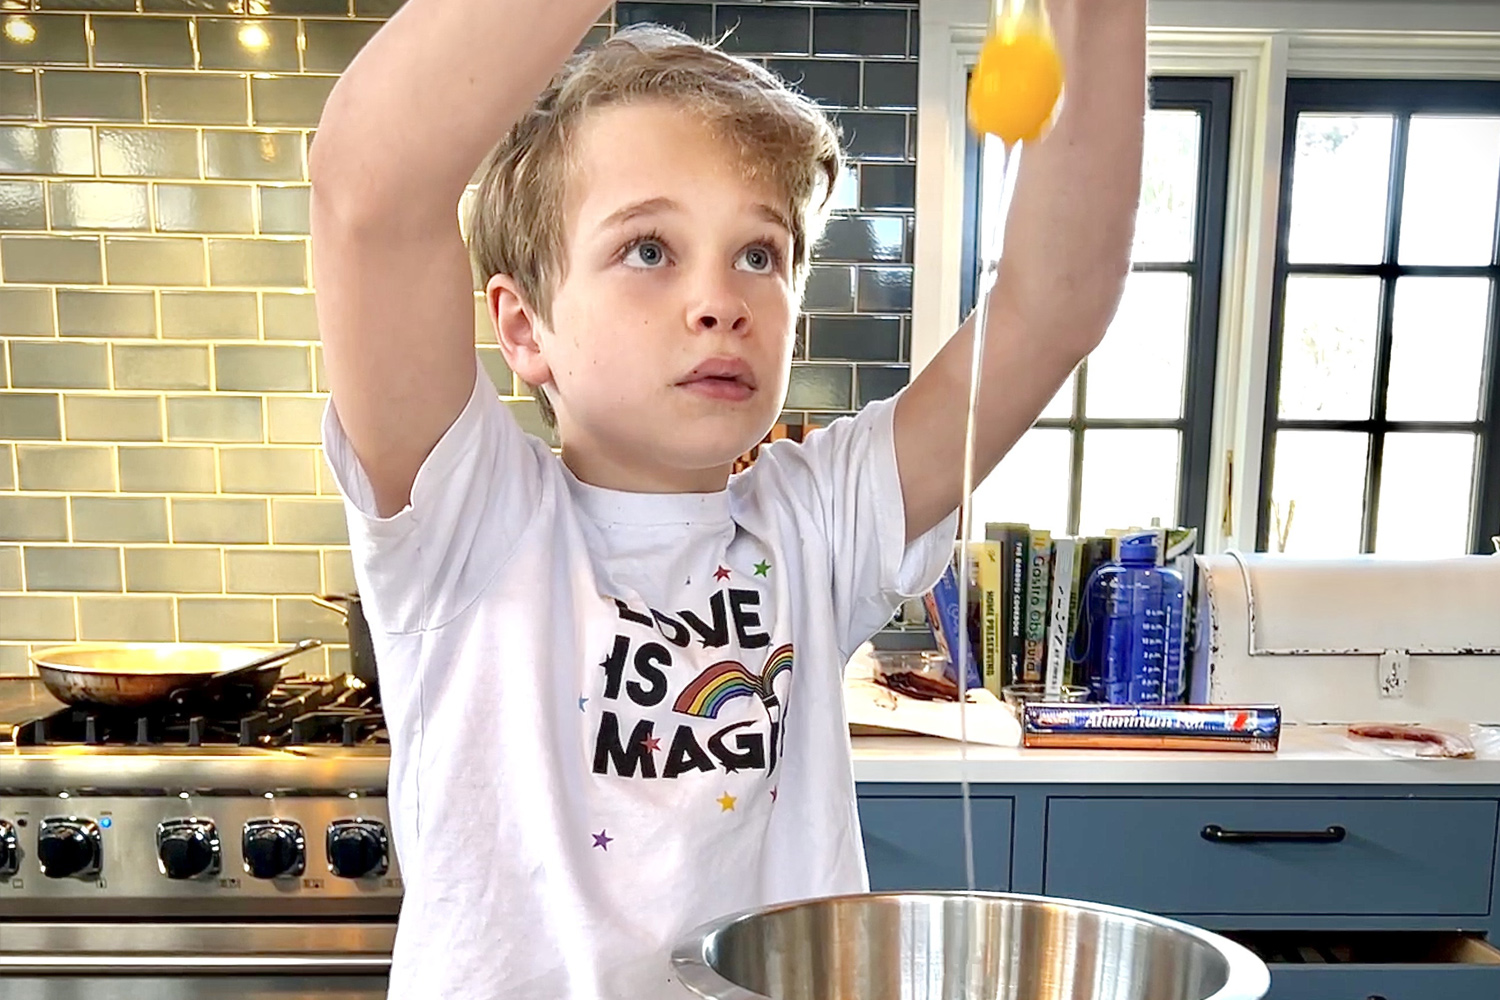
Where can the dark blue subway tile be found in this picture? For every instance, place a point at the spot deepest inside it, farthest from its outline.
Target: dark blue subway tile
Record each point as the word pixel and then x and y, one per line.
pixel 829 289
pixel 864 238
pixel 766 30
pixel 879 381
pixel 696 19
pixel 854 338
pixel 885 289
pixel 859 31
pixel 890 85
pixel 887 185
pixel 820 387
pixel 874 135
pixel 831 82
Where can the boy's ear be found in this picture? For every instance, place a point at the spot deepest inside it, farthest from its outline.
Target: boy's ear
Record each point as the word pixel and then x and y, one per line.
pixel 518 329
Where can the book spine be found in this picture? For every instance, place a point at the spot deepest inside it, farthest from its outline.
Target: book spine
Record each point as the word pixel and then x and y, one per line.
pixel 942 612
pixel 991 664
pixel 1064 551
pixel 1036 605
pixel 1015 541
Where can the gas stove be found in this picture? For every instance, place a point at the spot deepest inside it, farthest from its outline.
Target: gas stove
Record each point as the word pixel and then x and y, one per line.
pixel 279 813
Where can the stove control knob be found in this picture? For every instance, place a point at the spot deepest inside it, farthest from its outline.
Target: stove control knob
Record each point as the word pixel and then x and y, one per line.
pixel 10 850
pixel 187 848
pixel 273 848
pixel 356 848
pixel 68 847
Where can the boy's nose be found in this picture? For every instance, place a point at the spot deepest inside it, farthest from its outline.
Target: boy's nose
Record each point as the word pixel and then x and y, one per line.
pixel 720 312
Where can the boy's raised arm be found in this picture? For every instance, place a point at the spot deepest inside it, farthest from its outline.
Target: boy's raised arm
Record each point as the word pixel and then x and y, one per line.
pixel 402 132
pixel 1067 252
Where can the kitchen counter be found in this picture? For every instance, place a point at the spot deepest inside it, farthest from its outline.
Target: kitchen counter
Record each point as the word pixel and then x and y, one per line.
pixel 1309 755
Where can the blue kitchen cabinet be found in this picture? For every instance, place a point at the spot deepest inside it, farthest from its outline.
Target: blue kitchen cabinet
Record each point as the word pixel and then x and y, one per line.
pixel 1409 876
pixel 1355 856
pixel 916 841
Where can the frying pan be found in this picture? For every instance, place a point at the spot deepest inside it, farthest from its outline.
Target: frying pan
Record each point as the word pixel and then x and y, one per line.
pixel 132 675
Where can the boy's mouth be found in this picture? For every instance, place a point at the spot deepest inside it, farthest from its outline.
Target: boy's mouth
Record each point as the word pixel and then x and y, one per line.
pixel 721 378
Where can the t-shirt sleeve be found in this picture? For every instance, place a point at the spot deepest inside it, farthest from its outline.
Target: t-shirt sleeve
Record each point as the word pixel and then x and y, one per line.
pixel 845 486
pixel 470 501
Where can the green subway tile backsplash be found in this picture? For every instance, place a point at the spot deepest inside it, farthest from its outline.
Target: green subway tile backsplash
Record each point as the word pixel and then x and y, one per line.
pixel 155 262
pixel 44 40
pixel 160 375
pixel 18 94
pixel 26 312
pixel 208 315
pixel 205 208
pixel 45 149
pixel 100 205
pixel 129 40
pixel 127 618
pixel 89 95
pixel 66 468
pixel 148 152
pixel 197 98
pixel 99 313
pixel 71 568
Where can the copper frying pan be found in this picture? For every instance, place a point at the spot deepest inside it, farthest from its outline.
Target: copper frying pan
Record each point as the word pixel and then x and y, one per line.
pixel 132 675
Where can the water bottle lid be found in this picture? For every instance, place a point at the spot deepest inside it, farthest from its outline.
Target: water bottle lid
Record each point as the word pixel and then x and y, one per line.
pixel 1138 549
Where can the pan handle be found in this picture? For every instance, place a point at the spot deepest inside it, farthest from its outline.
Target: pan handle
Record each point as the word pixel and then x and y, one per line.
pixel 182 695
pixel 331 603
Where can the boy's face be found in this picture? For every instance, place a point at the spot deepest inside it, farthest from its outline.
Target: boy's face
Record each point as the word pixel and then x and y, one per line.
pixel 672 331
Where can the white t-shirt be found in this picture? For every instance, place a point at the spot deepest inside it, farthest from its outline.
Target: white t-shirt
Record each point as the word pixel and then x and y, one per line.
pixel 616 716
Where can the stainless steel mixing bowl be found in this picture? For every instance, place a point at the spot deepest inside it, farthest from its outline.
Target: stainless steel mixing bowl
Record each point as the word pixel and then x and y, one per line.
pixel 962 946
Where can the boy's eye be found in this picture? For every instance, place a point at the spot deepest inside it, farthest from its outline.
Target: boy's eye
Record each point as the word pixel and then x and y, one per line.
pixel 646 253
pixel 761 259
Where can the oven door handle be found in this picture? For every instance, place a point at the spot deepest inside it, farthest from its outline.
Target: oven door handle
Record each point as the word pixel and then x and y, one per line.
pixel 94 963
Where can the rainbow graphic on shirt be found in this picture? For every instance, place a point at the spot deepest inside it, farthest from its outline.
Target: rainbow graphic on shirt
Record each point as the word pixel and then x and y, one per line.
pixel 727 680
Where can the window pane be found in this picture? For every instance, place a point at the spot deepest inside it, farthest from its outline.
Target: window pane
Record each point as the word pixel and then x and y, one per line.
pixel 1129 477
pixel 1437 348
pixel 1137 370
pixel 1169 187
pixel 1029 485
pixel 1317 492
pixel 1061 405
pixel 1339 180
pixel 1448 202
pixel 1425 486
pixel 1328 347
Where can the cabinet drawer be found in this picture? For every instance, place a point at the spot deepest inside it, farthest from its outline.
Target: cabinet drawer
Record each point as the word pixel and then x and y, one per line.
pixel 1376 856
pixel 1387 966
pixel 917 842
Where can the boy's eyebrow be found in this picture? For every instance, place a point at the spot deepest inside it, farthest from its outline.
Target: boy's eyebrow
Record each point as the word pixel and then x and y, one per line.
pixel 655 206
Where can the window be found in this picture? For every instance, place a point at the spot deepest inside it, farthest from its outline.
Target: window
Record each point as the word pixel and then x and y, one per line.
pixel 1127 438
pixel 1385 350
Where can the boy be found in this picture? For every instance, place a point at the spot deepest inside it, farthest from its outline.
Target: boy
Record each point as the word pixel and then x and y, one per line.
pixel 612 681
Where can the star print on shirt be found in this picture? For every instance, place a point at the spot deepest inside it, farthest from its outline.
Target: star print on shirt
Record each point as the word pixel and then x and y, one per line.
pixel 773 795
pixel 581 703
pixel 602 839
pixel 726 802
pixel 722 573
pixel 651 743
pixel 762 568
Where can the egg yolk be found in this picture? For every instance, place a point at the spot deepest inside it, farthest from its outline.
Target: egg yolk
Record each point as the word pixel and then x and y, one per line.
pixel 1015 85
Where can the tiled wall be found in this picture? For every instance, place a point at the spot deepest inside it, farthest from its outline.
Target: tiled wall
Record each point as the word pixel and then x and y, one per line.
pixel 160 377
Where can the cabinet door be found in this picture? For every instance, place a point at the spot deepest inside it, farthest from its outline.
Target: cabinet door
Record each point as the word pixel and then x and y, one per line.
pixel 917 842
pixel 1297 982
pixel 1333 856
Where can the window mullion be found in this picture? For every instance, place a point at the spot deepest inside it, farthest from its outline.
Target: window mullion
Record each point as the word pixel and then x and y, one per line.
pixel 1395 191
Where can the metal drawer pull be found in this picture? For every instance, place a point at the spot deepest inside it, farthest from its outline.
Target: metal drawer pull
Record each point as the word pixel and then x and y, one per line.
pixel 1218 835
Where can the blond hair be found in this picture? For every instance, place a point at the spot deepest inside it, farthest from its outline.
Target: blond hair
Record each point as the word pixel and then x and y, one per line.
pixel 516 222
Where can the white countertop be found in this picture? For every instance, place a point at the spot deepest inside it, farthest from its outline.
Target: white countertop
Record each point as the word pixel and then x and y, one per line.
pixel 1309 755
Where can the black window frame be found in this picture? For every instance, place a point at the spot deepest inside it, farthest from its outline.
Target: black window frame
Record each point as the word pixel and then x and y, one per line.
pixel 1402 99
pixel 1213 98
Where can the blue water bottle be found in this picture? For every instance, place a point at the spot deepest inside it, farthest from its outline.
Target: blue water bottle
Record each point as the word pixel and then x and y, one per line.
pixel 1135 610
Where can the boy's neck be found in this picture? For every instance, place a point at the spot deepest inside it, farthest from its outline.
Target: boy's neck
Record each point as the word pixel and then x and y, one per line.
pixel 621 475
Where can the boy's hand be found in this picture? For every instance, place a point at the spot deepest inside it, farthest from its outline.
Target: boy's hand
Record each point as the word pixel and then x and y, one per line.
pixel 1067 252
pixel 402 132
